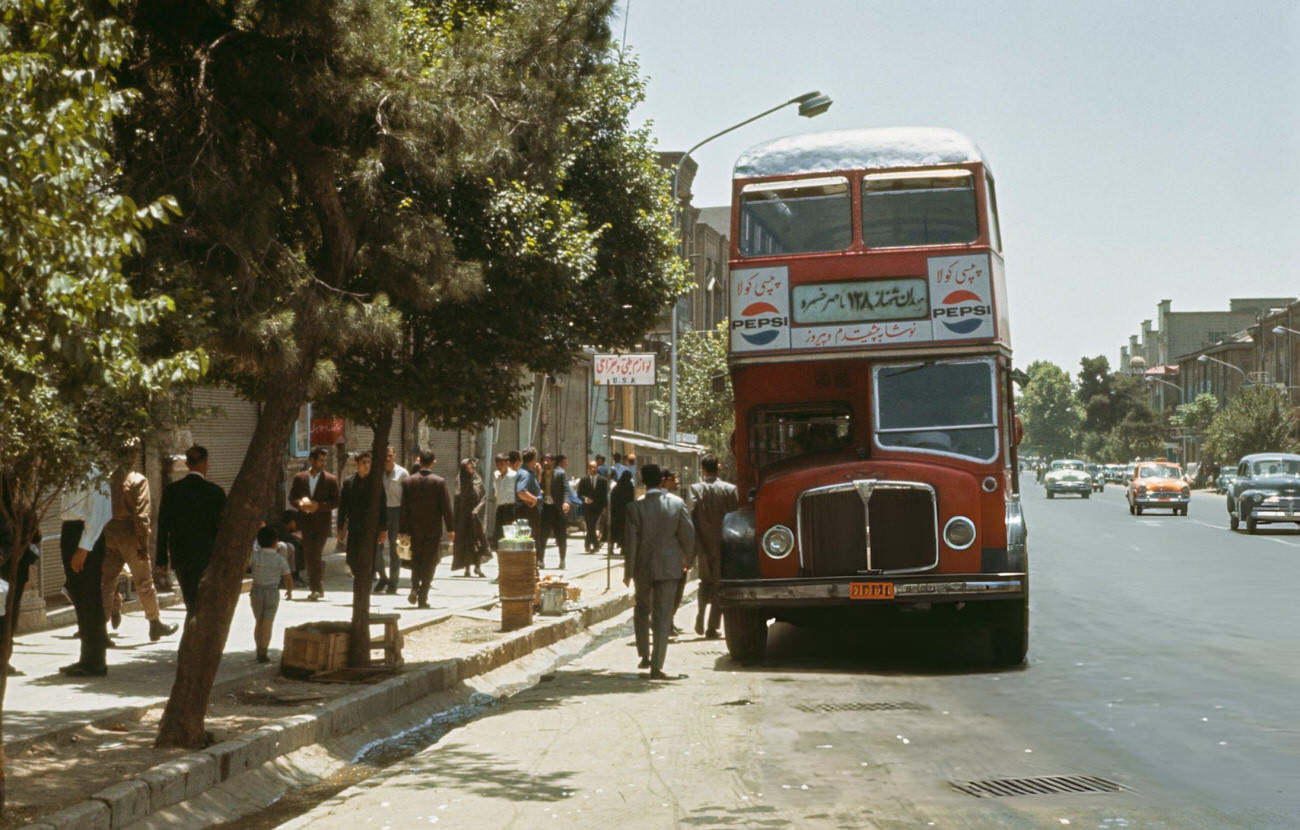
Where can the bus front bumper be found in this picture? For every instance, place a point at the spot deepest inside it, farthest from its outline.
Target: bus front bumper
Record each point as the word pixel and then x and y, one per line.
pixel 871 589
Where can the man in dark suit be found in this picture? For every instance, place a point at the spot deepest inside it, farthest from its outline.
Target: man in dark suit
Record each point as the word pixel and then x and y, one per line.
pixel 593 489
pixel 426 510
pixel 555 506
pixel 188 517
pixel 659 550
pixel 314 493
pixel 352 512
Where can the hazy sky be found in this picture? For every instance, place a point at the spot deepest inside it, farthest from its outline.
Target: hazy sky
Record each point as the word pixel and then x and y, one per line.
pixel 1142 150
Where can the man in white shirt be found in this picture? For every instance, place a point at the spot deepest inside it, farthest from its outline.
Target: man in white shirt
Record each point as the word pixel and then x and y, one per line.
pixel 85 512
pixel 394 475
pixel 504 479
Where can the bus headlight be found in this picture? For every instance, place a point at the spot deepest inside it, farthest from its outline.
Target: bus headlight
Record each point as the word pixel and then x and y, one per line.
pixel 778 541
pixel 959 533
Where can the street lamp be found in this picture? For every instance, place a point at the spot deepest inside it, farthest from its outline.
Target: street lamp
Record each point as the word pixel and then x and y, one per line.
pixel 1288 332
pixel 1206 358
pixel 811 105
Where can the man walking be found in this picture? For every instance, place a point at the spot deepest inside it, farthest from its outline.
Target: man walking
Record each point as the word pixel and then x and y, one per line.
pixel 503 493
pixel 593 489
pixel 314 493
pixel 126 543
pixel 426 510
pixel 188 517
pixel 85 512
pixel 659 550
pixel 394 475
pixel 711 500
pixel 352 512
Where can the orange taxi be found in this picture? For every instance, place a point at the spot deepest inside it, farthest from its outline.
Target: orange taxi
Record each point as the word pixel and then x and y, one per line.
pixel 1158 483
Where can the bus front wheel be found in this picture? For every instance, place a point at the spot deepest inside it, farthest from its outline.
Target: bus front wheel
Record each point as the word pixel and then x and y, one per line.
pixel 746 634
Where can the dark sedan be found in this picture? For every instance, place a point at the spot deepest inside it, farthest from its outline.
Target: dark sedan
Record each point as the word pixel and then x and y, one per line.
pixel 1267 489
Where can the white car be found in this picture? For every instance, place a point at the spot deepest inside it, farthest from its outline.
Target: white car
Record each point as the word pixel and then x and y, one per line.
pixel 1067 475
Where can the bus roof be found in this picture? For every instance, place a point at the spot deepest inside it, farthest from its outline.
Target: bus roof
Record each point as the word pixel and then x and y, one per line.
pixel 869 149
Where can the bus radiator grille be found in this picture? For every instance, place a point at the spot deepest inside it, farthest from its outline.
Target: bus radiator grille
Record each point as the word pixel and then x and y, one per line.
pixel 834 531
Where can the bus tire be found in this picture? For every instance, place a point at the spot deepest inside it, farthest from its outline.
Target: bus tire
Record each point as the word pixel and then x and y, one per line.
pixel 1009 632
pixel 746 630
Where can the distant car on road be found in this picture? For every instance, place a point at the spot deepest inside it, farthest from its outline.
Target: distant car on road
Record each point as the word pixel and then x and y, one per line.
pixel 1067 475
pixel 1158 484
pixel 1267 489
pixel 1098 474
pixel 1224 480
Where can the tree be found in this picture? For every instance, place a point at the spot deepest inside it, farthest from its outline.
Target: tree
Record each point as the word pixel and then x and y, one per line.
pixel 73 379
pixel 1048 410
pixel 383 201
pixel 1140 435
pixel 1258 419
pixel 705 404
pixel 1107 400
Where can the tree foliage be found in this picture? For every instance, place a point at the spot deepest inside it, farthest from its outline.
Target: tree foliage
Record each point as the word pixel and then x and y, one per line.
pixel 705 403
pixel 74 380
pixel 385 202
pixel 1048 410
pixel 1258 419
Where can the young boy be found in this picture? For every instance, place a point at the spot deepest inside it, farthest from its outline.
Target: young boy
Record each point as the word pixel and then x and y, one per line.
pixel 270 568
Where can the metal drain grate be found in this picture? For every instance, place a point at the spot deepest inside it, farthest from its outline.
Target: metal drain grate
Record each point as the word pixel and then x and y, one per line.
pixel 1043 785
pixel 864 706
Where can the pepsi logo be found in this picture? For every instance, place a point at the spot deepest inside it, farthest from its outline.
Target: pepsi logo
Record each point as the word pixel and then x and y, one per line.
pixel 759 323
pixel 962 311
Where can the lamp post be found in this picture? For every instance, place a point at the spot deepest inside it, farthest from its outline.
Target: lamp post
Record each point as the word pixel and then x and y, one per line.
pixel 1288 332
pixel 1205 358
pixel 811 105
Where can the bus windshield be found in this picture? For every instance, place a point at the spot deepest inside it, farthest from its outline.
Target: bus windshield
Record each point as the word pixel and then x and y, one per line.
pixel 938 407
pixel 795 217
pixel 783 433
pixel 930 208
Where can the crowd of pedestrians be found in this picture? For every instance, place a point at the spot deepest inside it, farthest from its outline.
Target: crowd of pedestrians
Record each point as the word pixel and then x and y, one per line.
pixel 106 527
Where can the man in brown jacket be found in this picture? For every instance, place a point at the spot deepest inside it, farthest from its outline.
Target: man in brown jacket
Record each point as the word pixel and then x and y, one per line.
pixel 314 493
pixel 426 510
pixel 126 542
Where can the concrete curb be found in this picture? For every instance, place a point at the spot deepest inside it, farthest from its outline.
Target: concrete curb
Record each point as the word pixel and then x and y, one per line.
pixel 183 778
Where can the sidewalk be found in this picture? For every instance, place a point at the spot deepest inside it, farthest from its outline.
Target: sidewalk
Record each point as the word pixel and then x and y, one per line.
pixel 140 673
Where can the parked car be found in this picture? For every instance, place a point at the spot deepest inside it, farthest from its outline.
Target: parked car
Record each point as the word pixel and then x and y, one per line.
pixel 1158 483
pixel 1267 489
pixel 1067 475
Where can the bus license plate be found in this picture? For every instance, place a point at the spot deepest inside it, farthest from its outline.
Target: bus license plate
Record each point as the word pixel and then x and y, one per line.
pixel 871 590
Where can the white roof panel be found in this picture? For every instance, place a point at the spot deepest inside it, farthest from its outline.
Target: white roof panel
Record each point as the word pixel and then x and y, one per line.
pixel 870 149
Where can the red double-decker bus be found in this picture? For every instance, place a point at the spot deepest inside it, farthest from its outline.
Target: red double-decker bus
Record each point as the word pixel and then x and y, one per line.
pixel 871 361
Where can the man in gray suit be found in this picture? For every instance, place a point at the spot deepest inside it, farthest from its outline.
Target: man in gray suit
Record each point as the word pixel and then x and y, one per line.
pixel 660 548
pixel 711 500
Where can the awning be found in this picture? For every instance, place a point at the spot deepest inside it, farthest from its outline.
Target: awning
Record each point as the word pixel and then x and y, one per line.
pixel 651 442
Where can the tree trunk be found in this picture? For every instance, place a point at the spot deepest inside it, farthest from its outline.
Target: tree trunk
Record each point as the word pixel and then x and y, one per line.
pixel 205 634
pixel 368 533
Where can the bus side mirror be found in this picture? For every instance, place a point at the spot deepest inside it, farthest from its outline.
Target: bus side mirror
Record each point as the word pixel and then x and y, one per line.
pixel 1018 432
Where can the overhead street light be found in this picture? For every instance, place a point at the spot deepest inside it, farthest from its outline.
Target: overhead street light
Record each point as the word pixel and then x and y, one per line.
pixel 1182 393
pixel 1205 358
pixel 811 105
pixel 1284 330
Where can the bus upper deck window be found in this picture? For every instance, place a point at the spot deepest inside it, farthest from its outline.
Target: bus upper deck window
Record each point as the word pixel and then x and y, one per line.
pixel 934 207
pixel 795 217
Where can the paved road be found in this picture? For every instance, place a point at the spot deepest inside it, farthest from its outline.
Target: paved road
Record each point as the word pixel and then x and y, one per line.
pixel 1164 657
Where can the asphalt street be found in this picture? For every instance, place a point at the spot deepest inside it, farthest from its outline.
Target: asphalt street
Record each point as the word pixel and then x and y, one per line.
pixel 1164 664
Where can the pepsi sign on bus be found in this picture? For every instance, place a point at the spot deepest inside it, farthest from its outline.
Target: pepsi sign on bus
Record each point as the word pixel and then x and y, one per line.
pixel 760 323
pixel 962 311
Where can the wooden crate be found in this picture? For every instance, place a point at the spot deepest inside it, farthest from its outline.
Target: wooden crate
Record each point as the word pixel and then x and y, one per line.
pixel 316 647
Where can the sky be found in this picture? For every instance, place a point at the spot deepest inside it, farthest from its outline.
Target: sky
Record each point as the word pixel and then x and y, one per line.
pixel 1142 150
